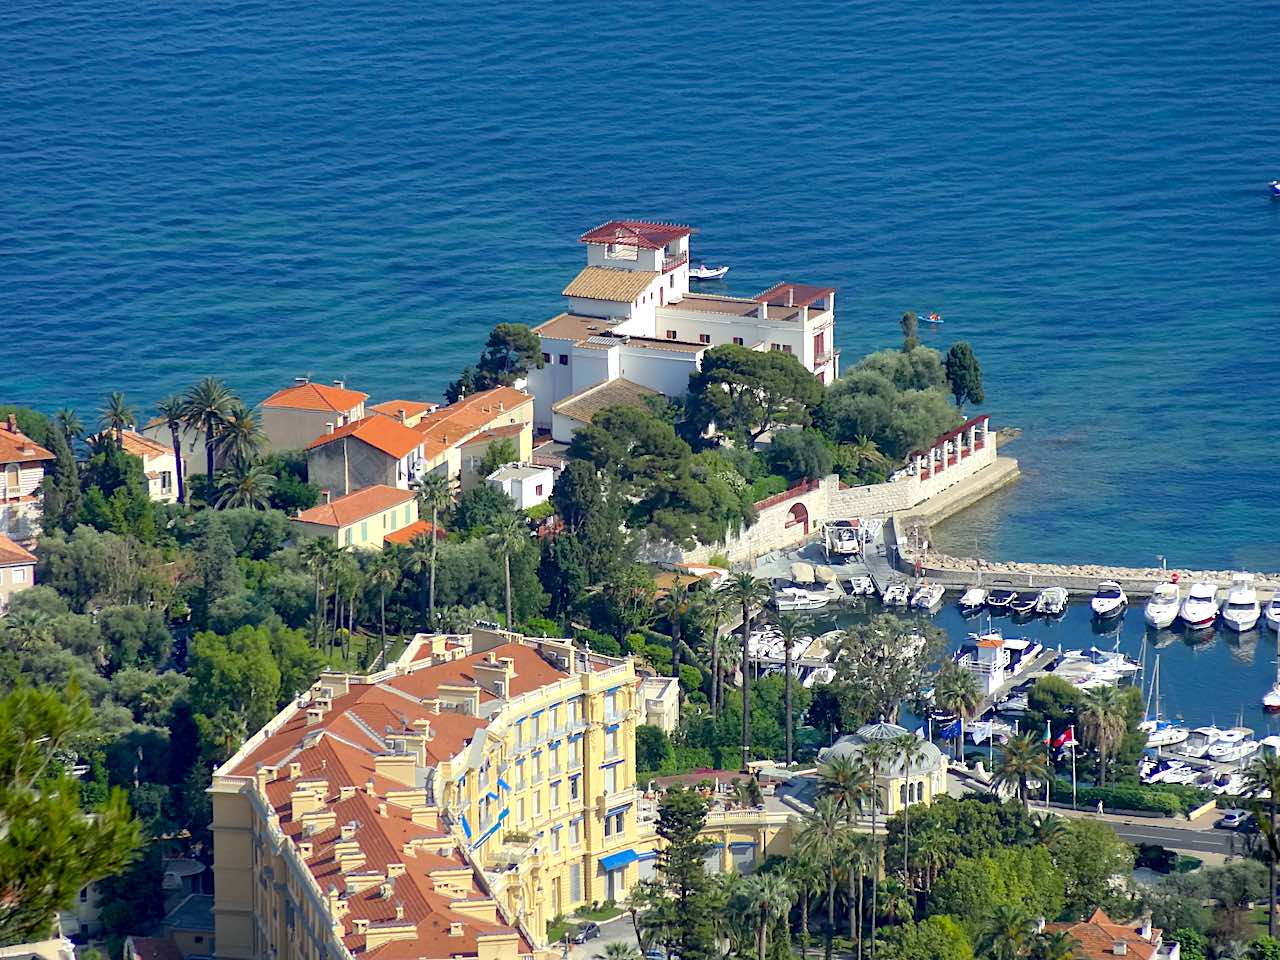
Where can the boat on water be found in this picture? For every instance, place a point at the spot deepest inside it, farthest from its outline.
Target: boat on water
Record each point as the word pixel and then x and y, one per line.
pixel 796 597
pixel 1271 699
pixel 1272 612
pixel 928 596
pixel 1052 601
pixel 1242 610
pixel 862 586
pixel 1109 600
pixel 1160 733
pixel 1161 769
pixel 1227 784
pixel 1275 189
pixel 1001 600
pixel 972 601
pixel 896 594
pixel 1162 607
pixel 703 272
pixel 1024 605
pixel 1233 745
pixel 1200 740
pixel 1200 608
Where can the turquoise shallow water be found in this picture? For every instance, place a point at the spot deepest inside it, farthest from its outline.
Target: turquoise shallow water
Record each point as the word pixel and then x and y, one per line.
pixel 361 190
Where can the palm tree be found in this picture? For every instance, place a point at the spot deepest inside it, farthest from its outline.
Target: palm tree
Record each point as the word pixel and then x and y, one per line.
pixel 509 535
pixel 617 950
pixel 956 692
pixel 749 592
pixel 909 748
pixel 69 423
pixel 863 855
pixel 1264 775
pixel 877 754
pixel 789 627
pixel 117 416
pixel 846 780
pixel 170 410
pixel 434 495
pixel 673 608
pixel 1059 945
pixel 318 554
pixel 422 551
pixel 932 853
pixel 821 840
pixel 768 899
pixel 1022 759
pixel 241 485
pixel 1008 933
pixel 205 408
pixel 865 453
pixel 713 608
pixel 1103 722
pixel 240 437
pixel 1051 829
pixel 384 573
pixel 805 879
pixel 896 903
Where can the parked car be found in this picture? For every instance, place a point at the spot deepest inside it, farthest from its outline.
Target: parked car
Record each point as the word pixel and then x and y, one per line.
pixel 1232 820
pixel 655 954
pixel 588 931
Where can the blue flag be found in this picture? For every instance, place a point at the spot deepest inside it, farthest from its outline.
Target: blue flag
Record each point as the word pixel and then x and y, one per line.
pixel 951 730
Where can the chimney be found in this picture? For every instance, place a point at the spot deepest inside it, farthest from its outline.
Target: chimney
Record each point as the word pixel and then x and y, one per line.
pixel 328 427
pixel 399 910
pixel 304 849
pixel 791 296
pixel 295 770
pixel 395 870
pixel 1144 931
pixel 13 423
pixel 382 809
pixel 386 889
pixel 1120 948
pixel 455 928
pixel 348 830
pixel 346 792
pixel 327 494
pixel 400 414
pixel 368 787
pixel 360 925
pixel 339 384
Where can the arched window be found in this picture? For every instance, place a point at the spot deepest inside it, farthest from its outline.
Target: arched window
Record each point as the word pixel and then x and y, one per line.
pixel 798 515
pixel 902 794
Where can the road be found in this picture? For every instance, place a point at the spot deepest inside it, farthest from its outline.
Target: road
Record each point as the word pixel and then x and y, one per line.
pixel 617 930
pixel 1188 839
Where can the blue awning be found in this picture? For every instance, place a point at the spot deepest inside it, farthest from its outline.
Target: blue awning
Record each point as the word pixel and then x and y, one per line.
pixel 466 827
pixel 617 860
pixel 504 785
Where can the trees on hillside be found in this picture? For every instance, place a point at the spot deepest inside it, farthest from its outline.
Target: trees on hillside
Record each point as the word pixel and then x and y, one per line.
pixel 748 392
pixel 510 352
pixel 685 904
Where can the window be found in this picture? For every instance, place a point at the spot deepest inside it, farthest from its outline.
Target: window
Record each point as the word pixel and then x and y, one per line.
pixel 348 536
pixel 786 348
pixel 546 358
pixel 819 343
pixel 704 338
pixel 537 803
pixel 19 575
pixel 555 839
pixel 575 788
pixel 671 334
pixel 555 795
pixel 671 280
pixel 611 779
pixel 775 346
pixel 520 811
pixel 564 359
pixel 614 823
pixel 738 341
pixel 575 833
pixel 537 490
pixel 364 530
pixel 575 883
pixel 611 743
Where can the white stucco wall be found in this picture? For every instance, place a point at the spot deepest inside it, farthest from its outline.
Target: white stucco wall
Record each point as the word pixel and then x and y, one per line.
pixel 658 369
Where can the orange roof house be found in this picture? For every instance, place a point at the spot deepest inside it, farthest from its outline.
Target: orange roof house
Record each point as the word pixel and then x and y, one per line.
pixel 408 412
pixel 457 436
pixel 22 464
pixel 292 417
pixel 17 570
pixel 1101 938
pixel 372 450
pixel 365 518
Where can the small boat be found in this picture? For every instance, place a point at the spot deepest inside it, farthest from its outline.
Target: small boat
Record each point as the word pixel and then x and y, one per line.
pixel 842 538
pixel 1271 699
pixel 1015 705
pixel 933 316
pixel 928 596
pixel 1200 609
pixel 1227 784
pixel 897 594
pixel 1275 189
pixel 1108 601
pixel 972 601
pixel 1233 745
pixel 1162 770
pixel 1162 733
pixel 1200 740
pixel 1052 601
pixel 1162 607
pixel 798 598
pixel 1272 612
pixel 1242 610
pixel 703 272
pixel 1181 775
pixel 1000 600
pixel 1023 605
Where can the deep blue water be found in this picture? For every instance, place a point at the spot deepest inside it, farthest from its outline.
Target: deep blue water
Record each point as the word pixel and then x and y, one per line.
pixel 262 190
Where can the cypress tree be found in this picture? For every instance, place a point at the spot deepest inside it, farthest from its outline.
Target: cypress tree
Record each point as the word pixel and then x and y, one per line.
pixel 61 487
pixel 681 817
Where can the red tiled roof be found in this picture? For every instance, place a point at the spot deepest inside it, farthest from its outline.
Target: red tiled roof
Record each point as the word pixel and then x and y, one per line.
pixel 636 233
pixel 531 673
pixel 411 408
pixel 447 426
pixel 382 433
pixel 17 447
pixel 154 948
pixel 792 294
pixel 12 553
pixel 316 396
pixel 509 430
pixel 361 505
pixel 1097 938
pixel 419 528
pixel 138 445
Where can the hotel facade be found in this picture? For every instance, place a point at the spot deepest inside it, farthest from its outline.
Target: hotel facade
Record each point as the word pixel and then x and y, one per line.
pixel 447 807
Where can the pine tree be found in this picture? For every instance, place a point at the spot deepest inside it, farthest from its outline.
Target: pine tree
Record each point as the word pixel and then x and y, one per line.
pixel 691 902
pixel 61 486
pixel 964 375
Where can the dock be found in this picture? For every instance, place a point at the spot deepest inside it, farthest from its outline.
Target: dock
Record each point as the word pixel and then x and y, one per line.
pixel 1032 672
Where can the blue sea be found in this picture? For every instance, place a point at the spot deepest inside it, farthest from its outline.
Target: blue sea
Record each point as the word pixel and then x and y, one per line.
pixel 265 190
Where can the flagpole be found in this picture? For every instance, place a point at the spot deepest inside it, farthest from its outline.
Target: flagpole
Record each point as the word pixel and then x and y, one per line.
pixel 1073 769
pixel 1048 742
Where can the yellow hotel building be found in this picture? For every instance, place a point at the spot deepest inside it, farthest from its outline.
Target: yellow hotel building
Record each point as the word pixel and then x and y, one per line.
pixel 445 808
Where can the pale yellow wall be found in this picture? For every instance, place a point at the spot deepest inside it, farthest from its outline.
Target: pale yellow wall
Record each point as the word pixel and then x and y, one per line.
pixel 290 429
pixel 472 453
pixel 14 579
pixel 368 534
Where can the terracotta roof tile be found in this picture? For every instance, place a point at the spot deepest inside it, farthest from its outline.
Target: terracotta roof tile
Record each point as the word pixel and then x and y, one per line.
pixel 419 528
pixel 455 423
pixel 153 948
pixel 532 672
pixel 382 433
pixel 361 505
pixel 411 408
pixel 608 283
pixel 17 447
pixel 793 294
pixel 316 396
pixel 1097 938
pixel 645 234
pixel 619 392
pixel 12 553
pixel 138 445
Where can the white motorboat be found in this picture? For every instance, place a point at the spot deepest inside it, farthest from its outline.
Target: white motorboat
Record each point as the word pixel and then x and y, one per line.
pixel 1052 601
pixel 1160 770
pixel 1023 605
pixel 1109 600
pixel 897 594
pixel 1232 745
pixel 1272 613
pixel 1275 189
pixel 1200 740
pixel 1161 733
pixel 798 598
pixel 1200 608
pixel 1271 699
pixel 1181 775
pixel 1015 705
pixel 972 601
pixel 1242 610
pixel 843 539
pixel 999 599
pixel 703 272
pixel 819 675
pixel 1228 784
pixel 928 596
pixel 1162 608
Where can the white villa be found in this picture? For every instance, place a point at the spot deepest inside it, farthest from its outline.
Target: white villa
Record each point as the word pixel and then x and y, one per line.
pixel 629 315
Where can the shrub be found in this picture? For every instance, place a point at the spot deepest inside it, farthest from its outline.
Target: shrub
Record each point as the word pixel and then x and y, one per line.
pixel 1137 798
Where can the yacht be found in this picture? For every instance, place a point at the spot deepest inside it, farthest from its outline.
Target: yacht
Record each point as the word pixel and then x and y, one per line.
pixel 1200 609
pixel 1271 699
pixel 842 538
pixel 999 600
pixel 1241 611
pixel 1162 608
pixel 928 596
pixel 897 594
pixel 1228 784
pixel 1161 770
pixel 860 586
pixel 1024 604
pixel 1052 601
pixel 1233 745
pixel 1272 612
pixel 1162 733
pixel 1200 740
pixel 703 272
pixel 972 601
pixel 800 598
pixel 1275 189
pixel 1109 600
pixel 1181 775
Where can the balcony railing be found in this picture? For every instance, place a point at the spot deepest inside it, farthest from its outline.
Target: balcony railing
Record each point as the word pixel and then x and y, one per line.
pixel 670 263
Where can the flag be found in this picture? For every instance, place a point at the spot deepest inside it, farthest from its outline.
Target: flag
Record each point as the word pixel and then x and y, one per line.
pixel 920 732
pixel 1048 734
pixel 951 730
pixel 1066 739
pixel 981 730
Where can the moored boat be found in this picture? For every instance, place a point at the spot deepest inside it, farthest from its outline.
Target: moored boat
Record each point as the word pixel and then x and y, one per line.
pixel 1272 612
pixel 1241 611
pixel 1052 601
pixel 928 596
pixel 972 601
pixel 1275 189
pixel 1200 608
pixel 703 272
pixel 1000 599
pixel 1162 733
pixel 1023 605
pixel 897 594
pixel 1109 600
pixel 1162 607
pixel 799 598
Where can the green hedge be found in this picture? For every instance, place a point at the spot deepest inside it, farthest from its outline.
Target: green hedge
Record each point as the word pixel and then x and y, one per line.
pixel 1143 799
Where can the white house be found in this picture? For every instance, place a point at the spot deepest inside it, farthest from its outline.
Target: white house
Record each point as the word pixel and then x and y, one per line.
pixel 527 485
pixel 629 314
pixel 22 464
pixel 159 466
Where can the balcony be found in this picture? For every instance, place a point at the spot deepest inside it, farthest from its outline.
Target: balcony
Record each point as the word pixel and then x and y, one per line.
pixel 670 263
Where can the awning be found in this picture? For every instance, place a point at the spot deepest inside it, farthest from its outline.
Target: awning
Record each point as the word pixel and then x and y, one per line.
pixel 802 572
pixel 615 861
